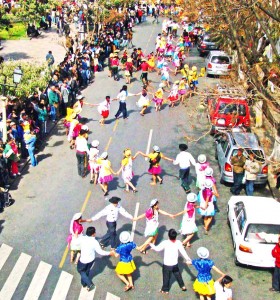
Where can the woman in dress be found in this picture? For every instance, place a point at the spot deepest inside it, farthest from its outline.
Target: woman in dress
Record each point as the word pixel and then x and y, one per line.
pixel 173 96
pixel 151 62
pixel 158 97
pixel 206 204
pixel 200 168
pixel 151 230
pixel 126 265
pixel 105 172
pixel 76 231
pixel 128 70
pixel 204 284
pixel 126 169
pixel 209 175
pixel 143 101
pixel 155 168
pixel 104 109
pixel 182 89
pixel 94 166
pixel 188 226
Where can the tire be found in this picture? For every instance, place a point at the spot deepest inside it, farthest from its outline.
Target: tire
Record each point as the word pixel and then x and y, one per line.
pixel 222 181
pixel 212 130
pixel 236 262
pixel 216 154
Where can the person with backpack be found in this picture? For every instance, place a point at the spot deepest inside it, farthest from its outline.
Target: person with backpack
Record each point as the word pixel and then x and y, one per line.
pixel 152 224
pixel 154 159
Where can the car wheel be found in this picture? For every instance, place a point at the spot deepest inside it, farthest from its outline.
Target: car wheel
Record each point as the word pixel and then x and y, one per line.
pixel 237 263
pixel 222 180
pixel 212 130
pixel 216 154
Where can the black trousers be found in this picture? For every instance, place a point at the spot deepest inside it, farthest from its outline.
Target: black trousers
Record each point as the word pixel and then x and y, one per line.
pixel 111 235
pixel 184 178
pixel 276 279
pixel 122 109
pixel 81 163
pixel 84 270
pixel 166 275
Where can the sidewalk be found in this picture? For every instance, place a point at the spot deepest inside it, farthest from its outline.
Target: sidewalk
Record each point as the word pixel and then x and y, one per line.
pixel 36 49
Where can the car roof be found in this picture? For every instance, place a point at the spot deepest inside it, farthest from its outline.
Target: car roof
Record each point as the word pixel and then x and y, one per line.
pixel 218 53
pixel 232 98
pixel 260 209
pixel 246 140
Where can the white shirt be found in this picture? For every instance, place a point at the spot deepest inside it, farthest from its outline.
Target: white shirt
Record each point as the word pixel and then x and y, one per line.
pixel 112 212
pixel 171 251
pixel 184 160
pixel 89 246
pixel 81 145
pixel 123 95
pixel 220 294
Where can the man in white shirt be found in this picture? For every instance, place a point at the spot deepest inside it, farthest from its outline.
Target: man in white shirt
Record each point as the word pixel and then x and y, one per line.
pixel 184 159
pixel 171 248
pixel 82 151
pixel 89 246
pixel 111 212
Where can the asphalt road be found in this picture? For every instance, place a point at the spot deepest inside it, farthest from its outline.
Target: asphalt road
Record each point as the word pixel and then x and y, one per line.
pixel 47 196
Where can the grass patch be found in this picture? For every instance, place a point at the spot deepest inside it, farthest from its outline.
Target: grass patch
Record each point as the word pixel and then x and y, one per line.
pixel 16 32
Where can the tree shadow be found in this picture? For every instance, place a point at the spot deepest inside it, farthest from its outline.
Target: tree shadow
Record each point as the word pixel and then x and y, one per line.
pixel 41 157
pixel 16 56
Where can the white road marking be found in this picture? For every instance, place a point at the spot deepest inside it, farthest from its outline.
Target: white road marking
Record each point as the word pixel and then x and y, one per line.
pixel 112 297
pixel 5 251
pixel 38 281
pixel 15 277
pixel 134 222
pixel 62 287
pixel 85 295
pixel 149 143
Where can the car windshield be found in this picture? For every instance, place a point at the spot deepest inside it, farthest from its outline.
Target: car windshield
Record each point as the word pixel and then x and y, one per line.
pixel 232 108
pixel 262 233
pixel 259 156
pixel 220 60
pixel 207 38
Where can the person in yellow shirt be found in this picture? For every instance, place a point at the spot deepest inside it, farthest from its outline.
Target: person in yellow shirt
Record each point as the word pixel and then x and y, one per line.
pixel 158 97
pixel 154 159
pixel 182 89
pixel 185 71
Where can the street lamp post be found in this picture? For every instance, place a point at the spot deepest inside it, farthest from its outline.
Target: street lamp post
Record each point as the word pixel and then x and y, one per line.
pixel 17 76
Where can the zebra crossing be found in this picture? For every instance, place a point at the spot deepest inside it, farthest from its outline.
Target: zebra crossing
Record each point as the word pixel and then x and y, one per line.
pixel 39 280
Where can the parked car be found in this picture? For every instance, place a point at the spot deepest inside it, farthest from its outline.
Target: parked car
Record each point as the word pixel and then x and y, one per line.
pixel 205 44
pixel 228 111
pixel 218 63
pixel 255 225
pixel 227 145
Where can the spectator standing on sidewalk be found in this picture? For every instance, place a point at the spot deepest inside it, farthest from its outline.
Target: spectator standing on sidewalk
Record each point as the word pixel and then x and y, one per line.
pixel 276 275
pixel 53 96
pixel 252 169
pixel 171 248
pixel 50 59
pixel 89 246
pixel 30 140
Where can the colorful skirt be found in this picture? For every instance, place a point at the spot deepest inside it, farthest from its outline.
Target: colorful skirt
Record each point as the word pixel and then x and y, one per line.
pixel 157 101
pixel 105 113
pixel 105 179
pixel 204 288
pixel 182 92
pixel 125 268
pixel 155 170
pixel 173 98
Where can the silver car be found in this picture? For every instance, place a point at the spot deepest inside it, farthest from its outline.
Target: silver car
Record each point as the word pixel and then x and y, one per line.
pixel 218 63
pixel 227 145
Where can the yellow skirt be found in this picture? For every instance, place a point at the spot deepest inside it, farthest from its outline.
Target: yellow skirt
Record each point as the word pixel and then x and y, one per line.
pixel 124 268
pixel 204 288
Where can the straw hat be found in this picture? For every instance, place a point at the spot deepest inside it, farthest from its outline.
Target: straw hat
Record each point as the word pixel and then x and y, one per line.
pixel 202 252
pixel 125 237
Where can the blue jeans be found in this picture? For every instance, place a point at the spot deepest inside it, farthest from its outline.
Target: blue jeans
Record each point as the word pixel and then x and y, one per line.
pixel 250 187
pixel 53 113
pixel 32 156
pixel 111 235
pixel 184 178
pixel 237 183
pixel 84 270
pixel 122 109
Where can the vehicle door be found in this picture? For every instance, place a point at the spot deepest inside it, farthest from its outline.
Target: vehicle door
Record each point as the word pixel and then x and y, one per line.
pixel 237 218
pixel 222 147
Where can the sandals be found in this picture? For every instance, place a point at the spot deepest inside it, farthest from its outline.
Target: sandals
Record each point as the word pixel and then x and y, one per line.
pixel 127 288
pixel 184 289
pixel 143 252
pixel 134 191
pixel 161 181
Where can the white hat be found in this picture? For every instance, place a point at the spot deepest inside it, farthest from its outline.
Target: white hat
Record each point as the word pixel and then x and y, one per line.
pixel 208 171
pixel 202 252
pixel 77 216
pixel 104 155
pixel 79 97
pixel 95 143
pixel 156 148
pixel 161 85
pixel 125 237
pixel 208 183
pixel 85 127
pixel 201 158
pixel 191 197
pixel 153 202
